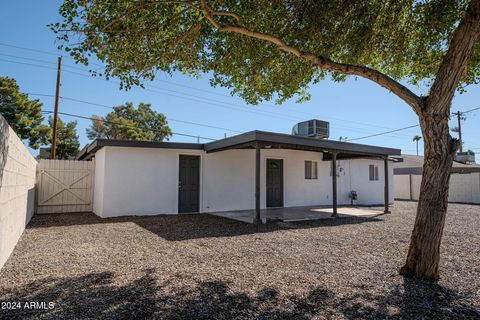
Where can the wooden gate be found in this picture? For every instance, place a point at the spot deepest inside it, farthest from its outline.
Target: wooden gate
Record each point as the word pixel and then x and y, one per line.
pixel 64 186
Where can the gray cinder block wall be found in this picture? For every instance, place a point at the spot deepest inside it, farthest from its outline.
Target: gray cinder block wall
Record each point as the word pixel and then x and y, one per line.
pixel 17 189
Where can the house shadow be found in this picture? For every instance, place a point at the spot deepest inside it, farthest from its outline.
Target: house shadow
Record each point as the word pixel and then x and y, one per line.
pixel 106 295
pixel 190 226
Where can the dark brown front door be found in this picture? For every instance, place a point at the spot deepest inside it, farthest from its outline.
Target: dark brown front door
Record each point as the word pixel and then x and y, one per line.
pixel 189 184
pixel 274 183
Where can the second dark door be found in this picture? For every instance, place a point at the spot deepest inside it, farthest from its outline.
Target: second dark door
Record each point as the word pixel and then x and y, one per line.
pixel 189 184
pixel 274 183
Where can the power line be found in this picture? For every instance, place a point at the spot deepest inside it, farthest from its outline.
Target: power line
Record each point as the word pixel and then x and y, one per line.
pixel 37 50
pixel 215 93
pixel 271 105
pixel 28 64
pixel 169 119
pixel 193 88
pixel 42 61
pixel 383 133
pixel 474 109
pixel 71 99
pixel 28 49
pixel 124 125
pixel 204 101
pixel 209 101
pixel 409 127
pixel 109 107
pixel 196 100
pixel 216 102
pixel 182 85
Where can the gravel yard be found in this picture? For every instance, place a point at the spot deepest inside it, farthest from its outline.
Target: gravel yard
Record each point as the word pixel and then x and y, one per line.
pixel 201 266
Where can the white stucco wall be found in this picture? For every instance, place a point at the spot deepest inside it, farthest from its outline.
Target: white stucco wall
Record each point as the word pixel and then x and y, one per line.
pixel 17 189
pixel 228 181
pixel 299 191
pixel 99 182
pixel 355 176
pixel 142 181
pixel 402 187
pixel 464 187
pixel 138 181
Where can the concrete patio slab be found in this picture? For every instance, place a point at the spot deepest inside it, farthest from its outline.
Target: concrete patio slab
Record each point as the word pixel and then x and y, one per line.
pixel 299 213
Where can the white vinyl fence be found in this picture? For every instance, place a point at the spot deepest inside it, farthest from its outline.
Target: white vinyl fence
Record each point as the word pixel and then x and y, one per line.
pixel 464 187
pixel 64 186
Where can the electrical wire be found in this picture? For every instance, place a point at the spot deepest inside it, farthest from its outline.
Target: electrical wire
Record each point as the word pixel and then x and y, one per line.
pixel 201 90
pixel 198 99
pixel 383 133
pixel 124 125
pixel 109 107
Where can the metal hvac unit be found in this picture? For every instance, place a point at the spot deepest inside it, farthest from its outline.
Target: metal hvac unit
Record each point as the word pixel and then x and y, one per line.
pixel 312 128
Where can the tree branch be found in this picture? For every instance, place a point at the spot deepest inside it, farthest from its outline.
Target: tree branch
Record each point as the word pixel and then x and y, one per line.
pixel 229 14
pixel 321 62
pixel 455 61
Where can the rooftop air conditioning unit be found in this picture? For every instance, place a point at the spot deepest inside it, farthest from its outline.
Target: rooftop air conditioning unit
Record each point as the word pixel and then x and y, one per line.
pixel 312 128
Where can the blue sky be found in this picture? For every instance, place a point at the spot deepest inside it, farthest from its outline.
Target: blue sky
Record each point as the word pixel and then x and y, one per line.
pixel 356 108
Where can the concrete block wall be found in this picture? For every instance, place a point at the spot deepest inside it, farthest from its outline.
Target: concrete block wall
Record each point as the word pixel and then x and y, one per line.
pixel 17 189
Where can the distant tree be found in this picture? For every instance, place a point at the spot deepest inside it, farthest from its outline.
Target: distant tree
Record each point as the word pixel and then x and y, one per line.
pixel 416 139
pixel 22 114
pixel 128 123
pixel 263 50
pixel 68 145
pixel 98 129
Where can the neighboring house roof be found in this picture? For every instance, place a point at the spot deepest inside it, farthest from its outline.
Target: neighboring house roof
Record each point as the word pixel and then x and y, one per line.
pixel 412 164
pixel 249 139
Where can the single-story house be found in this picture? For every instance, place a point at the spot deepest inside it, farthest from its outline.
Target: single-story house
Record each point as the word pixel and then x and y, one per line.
pixel 249 171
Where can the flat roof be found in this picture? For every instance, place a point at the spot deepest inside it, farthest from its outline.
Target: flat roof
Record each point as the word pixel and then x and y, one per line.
pixel 248 140
pixel 89 150
pixel 297 142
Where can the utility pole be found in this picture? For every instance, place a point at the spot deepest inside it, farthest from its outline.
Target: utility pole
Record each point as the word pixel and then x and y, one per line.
pixel 55 115
pixel 459 119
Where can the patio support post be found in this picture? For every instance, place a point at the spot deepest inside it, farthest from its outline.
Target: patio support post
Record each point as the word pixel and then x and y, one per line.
pixel 334 183
pixel 257 219
pixel 386 195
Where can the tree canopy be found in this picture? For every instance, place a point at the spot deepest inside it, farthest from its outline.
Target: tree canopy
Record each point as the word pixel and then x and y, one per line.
pixel 22 114
pixel 402 39
pixel 68 144
pixel 126 122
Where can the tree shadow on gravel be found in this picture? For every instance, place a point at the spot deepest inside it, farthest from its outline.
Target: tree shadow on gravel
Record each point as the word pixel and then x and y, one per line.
pixel 189 226
pixel 103 296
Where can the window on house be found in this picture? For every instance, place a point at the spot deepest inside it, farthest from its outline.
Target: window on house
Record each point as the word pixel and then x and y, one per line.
pixel 311 170
pixel 373 172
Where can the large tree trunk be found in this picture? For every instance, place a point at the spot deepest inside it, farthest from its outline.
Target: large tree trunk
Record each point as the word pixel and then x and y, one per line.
pixel 424 252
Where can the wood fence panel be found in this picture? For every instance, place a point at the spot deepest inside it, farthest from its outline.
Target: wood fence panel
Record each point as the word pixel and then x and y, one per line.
pixel 64 186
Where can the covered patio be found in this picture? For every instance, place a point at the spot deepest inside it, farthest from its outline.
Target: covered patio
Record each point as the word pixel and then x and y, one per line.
pixel 332 151
pixel 300 214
